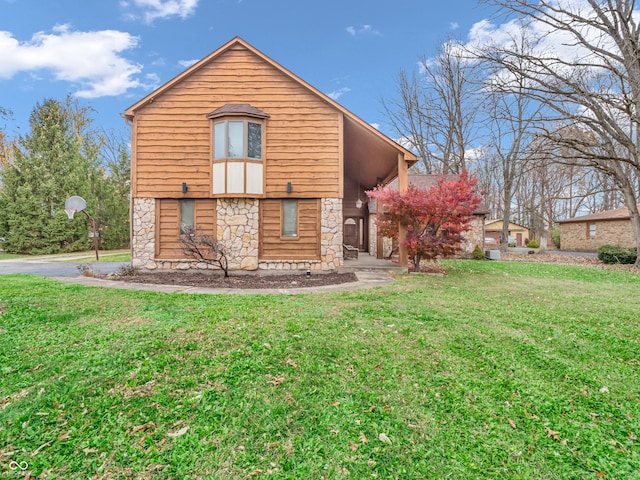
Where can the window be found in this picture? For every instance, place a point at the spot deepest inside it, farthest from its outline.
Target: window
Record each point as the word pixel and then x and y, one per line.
pixel 591 230
pixel 237 158
pixel 289 218
pixel 237 139
pixel 187 210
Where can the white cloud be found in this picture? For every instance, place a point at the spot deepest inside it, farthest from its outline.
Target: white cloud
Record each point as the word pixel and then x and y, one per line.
pixel 154 9
pixel 362 30
pixel 91 60
pixel 187 63
pixel 375 125
pixel 454 25
pixel 336 94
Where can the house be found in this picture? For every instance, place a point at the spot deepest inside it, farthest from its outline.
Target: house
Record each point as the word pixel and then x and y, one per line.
pixel 474 237
pixel 520 234
pixel 250 153
pixel 589 232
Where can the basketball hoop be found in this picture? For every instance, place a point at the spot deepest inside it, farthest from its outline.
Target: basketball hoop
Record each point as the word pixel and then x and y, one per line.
pixel 77 204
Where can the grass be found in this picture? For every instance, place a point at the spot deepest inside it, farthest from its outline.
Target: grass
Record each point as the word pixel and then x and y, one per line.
pixel 496 370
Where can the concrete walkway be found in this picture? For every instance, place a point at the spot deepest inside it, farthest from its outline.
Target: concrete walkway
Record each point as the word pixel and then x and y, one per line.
pixel 365 280
pixel 370 271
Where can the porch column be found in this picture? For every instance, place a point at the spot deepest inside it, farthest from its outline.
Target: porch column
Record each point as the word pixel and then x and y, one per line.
pixel 403 184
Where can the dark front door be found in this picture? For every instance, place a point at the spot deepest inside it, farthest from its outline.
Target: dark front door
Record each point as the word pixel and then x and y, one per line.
pixel 350 231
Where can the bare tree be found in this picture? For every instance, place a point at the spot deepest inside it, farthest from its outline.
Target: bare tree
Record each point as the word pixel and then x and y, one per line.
pixel 511 120
pixel 205 248
pixel 436 107
pixel 584 68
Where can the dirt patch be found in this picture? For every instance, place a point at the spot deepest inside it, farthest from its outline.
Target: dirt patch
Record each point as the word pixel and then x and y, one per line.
pixel 198 279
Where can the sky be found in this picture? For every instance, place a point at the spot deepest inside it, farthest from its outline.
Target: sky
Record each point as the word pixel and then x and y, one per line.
pixel 111 53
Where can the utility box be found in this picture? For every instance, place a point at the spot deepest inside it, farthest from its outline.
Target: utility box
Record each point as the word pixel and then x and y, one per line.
pixel 492 254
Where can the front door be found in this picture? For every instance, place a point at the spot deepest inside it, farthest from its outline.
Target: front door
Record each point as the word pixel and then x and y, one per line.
pixel 351 234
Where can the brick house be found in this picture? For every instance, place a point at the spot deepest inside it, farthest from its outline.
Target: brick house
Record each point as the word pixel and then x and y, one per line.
pixel 589 232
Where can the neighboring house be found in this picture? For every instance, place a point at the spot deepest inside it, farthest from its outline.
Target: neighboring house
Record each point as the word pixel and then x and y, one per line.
pixel 520 234
pixel 247 151
pixel 472 238
pixel 589 232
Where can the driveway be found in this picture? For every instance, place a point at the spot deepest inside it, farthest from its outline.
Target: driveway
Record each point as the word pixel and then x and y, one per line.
pixel 55 268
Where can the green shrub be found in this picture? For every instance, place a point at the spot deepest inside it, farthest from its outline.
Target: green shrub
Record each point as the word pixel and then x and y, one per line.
pixel 477 253
pixel 611 254
pixel 533 244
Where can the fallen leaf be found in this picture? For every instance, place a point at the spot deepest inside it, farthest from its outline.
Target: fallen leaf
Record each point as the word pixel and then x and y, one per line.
pixel 255 473
pixel 276 381
pixel 179 433
pixel 363 438
pixel 552 433
pixel 383 438
pixel 353 446
pixel 37 367
pixel 600 474
pixel 387 407
pixel 42 414
pixel 268 345
pixel 335 404
pixel 370 409
pixel 511 422
pixel 89 450
pixel 144 426
pixel 64 436
pixel 292 363
pixel 604 390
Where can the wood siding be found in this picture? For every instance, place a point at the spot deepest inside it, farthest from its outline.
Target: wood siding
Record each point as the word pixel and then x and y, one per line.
pixel 168 225
pixel 173 137
pixel 304 247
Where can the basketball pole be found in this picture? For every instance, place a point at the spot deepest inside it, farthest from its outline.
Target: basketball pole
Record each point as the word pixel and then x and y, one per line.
pixel 95 237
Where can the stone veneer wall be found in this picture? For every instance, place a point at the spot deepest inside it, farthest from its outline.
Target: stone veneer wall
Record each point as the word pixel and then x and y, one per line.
pixel 473 237
pixel 573 236
pixel 143 224
pixel 373 235
pixel 331 256
pixel 238 228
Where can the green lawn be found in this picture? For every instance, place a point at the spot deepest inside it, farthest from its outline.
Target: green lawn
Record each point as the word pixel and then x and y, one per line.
pixel 496 370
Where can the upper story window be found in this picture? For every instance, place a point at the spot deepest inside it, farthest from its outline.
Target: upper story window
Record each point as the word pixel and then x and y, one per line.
pixel 238 139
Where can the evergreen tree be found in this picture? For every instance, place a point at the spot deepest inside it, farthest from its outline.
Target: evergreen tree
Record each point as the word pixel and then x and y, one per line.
pixel 50 164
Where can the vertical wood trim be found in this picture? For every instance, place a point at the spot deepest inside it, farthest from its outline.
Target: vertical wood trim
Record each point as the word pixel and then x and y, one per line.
pixel 403 183
pixel 265 122
pixel 341 155
pixel 157 228
pixel 379 241
pixel 210 158
pixel 319 225
pixel 134 158
pixel 260 228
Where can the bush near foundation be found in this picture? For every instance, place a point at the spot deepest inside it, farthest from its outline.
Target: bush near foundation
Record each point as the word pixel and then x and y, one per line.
pixel 611 254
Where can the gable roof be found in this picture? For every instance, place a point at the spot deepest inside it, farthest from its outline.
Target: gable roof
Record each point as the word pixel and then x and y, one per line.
pixel 621 213
pixel 237 42
pixel 490 222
